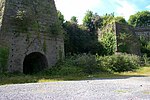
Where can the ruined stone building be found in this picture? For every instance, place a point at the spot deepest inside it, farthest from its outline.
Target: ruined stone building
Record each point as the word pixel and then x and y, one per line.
pixel 29 29
pixel 127 37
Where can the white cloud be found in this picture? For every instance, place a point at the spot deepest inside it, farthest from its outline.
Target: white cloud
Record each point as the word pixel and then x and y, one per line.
pixel 76 8
pixel 148 7
pixel 125 9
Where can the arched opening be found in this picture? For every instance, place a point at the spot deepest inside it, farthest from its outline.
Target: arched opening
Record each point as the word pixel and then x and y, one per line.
pixel 34 63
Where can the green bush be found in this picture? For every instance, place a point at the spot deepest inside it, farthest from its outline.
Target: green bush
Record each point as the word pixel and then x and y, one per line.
pixel 145 61
pixel 87 62
pixel 4 53
pixel 120 62
pixel 109 42
pixel 145 46
pixel 64 68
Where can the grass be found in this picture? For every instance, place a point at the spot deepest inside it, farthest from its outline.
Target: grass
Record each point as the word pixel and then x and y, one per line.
pixel 143 71
pixel 21 78
pixel 121 91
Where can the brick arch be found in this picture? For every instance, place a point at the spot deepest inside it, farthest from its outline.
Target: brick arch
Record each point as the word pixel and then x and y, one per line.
pixel 34 62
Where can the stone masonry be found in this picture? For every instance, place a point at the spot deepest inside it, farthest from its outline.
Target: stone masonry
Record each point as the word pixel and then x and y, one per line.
pixel 131 41
pixel 30 29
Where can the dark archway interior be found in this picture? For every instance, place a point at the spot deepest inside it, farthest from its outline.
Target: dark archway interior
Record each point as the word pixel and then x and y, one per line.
pixel 34 63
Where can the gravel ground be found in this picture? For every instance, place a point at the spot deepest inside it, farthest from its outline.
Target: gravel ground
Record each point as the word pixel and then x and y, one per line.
pixel 135 88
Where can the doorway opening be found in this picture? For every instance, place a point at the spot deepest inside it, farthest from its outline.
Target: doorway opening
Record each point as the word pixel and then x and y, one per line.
pixel 34 63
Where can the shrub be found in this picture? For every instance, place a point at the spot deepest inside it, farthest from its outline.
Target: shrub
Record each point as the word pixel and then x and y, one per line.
pixel 120 62
pixel 64 68
pixel 4 53
pixel 145 61
pixel 87 62
pixel 109 42
pixel 145 46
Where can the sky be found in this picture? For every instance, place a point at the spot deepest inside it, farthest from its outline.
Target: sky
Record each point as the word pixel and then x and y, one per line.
pixel 78 8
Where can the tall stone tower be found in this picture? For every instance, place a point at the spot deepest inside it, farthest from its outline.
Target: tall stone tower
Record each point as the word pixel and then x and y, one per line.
pixel 29 29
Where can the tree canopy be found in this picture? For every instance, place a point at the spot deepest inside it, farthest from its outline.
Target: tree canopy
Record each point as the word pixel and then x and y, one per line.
pixel 140 19
pixel 74 20
pixel 60 17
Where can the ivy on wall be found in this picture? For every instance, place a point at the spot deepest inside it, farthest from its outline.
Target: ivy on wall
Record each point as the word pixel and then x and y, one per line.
pixel 109 42
pixel 123 39
pixel 21 22
pixel 56 29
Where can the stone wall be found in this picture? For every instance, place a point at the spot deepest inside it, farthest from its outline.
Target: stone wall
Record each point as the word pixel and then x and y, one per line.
pixel 26 27
pixel 143 32
pixel 130 43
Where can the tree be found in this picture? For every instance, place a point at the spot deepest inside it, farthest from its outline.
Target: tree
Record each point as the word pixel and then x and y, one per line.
pixel 108 18
pixel 120 19
pixel 74 20
pixel 92 21
pixel 88 21
pixel 97 21
pixel 60 17
pixel 140 19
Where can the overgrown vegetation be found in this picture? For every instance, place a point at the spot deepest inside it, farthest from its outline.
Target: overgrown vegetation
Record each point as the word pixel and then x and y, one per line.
pixel 145 46
pixel 140 19
pixel 4 53
pixel 88 57
pixel 89 64
pixel 85 66
pixel 109 42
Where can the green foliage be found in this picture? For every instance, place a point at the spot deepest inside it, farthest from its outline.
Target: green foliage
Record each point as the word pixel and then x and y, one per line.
pixel 87 20
pixel 74 20
pixel 92 21
pixel 56 29
pixel 65 68
pixel 87 62
pixel 97 21
pixel 21 22
pixel 60 17
pixel 108 19
pixel 123 45
pixel 145 61
pixel 145 46
pixel 140 19
pixel 79 40
pixel 120 62
pixel 109 42
pixel 120 19
pixel 4 53
pixel 75 65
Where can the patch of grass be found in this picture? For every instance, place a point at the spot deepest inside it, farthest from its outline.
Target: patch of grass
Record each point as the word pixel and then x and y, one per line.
pixel 121 91
pixel 21 78
pixel 143 71
pixel 146 92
